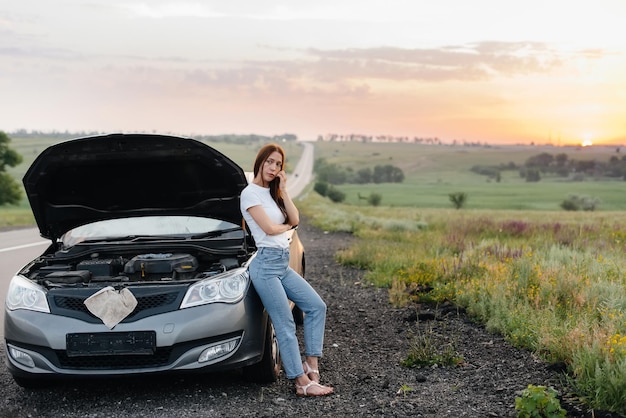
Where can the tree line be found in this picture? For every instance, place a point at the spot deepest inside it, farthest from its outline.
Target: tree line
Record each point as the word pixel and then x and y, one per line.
pixel 336 174
pixel 328 175
pixel 559 165
pixel 228 138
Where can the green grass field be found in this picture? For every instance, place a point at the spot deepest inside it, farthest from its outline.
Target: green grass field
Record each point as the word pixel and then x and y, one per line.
pixel 550 282
pixel 433 172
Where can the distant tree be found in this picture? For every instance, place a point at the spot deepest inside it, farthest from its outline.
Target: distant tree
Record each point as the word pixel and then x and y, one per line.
pixel 585 166
pixel 458 199
pixel 336 195
pixel 541 161
pixel 576 202
pixel 485 170
pixel 387 174
pixel 532 175
pixel 330 173
pixel 364 175
pixel 374 199
pixel 286 137
pixel 569 205
pixel 561 159
pixel 10 191
pixel 321 187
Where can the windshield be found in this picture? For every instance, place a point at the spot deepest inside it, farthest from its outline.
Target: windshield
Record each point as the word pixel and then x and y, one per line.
pixel 179 226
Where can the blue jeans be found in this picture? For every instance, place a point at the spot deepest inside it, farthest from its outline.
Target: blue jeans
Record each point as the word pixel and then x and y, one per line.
pixel 276 284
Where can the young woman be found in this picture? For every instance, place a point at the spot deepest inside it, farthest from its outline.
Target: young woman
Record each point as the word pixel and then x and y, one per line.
pixel 270 213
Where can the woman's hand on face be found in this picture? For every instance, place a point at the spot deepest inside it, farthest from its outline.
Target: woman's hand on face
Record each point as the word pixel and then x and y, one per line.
pixel 282 181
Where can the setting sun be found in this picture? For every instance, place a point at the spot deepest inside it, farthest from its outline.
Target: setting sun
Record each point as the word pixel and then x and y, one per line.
pixel 587 140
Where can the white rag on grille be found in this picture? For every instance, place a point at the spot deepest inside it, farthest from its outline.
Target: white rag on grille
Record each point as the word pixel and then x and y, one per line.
pixel 110 305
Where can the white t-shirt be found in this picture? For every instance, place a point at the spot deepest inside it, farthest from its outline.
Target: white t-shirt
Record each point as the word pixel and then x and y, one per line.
pixel 254 195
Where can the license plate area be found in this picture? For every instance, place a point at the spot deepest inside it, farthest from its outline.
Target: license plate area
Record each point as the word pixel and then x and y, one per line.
pixel 111 343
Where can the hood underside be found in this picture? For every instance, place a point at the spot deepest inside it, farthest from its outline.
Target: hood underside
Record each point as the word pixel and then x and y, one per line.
pixel 103 177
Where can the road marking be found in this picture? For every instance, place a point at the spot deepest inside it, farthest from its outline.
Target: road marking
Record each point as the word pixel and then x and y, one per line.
pixel 19 247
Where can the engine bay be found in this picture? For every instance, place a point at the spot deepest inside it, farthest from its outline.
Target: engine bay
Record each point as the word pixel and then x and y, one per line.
pixel 154 266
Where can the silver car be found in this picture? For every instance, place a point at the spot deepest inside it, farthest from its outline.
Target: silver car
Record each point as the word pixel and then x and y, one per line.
pixel 147 267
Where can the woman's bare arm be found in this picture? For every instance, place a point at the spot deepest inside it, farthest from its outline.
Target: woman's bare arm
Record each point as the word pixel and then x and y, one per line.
pixel 270 228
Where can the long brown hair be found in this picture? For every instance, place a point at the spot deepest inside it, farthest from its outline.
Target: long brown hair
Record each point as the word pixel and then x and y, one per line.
pixel 262 156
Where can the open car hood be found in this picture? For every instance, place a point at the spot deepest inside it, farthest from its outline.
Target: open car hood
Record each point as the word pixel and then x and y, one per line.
pixel 114 176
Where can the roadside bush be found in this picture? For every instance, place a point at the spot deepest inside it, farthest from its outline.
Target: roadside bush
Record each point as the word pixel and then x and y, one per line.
pixel 374 199
pixel 426 349
pixel 335 195
pixel 539 402
pixel 575 202
pixel 570 205
pixel 321 187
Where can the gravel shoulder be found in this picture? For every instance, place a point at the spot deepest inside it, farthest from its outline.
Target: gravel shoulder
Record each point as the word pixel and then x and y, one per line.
pixel 366 340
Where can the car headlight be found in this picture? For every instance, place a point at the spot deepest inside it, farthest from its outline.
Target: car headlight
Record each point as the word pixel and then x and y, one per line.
pixel 228 287
pixel 24 294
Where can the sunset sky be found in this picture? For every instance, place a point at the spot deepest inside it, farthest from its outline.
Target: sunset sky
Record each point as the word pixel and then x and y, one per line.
pixel 542 71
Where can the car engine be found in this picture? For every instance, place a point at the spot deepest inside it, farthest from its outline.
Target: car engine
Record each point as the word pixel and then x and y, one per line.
pixel 146 267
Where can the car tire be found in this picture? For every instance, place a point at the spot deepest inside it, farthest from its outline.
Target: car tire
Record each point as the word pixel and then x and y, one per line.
pixel 268 369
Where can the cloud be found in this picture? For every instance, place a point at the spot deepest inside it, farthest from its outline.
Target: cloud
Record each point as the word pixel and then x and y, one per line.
pixel 595 53
pixel 478 61
pixel 324 74
pixel 341 72
pixel 351 71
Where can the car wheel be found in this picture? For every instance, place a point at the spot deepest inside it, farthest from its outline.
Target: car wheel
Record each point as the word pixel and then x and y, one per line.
pixel 268 369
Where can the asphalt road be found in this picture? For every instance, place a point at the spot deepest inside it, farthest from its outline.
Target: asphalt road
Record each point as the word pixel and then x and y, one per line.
pixel 303 171
pixel 18 247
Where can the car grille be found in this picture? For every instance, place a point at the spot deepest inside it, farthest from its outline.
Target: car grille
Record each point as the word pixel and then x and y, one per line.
pixel 160 358
pixel 150 301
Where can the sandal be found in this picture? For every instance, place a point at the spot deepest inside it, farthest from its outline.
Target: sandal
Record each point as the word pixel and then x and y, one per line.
pixel 308 371
pixel 305 388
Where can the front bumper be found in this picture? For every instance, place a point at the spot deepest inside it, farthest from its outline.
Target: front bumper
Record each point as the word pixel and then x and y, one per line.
pixel 36 342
